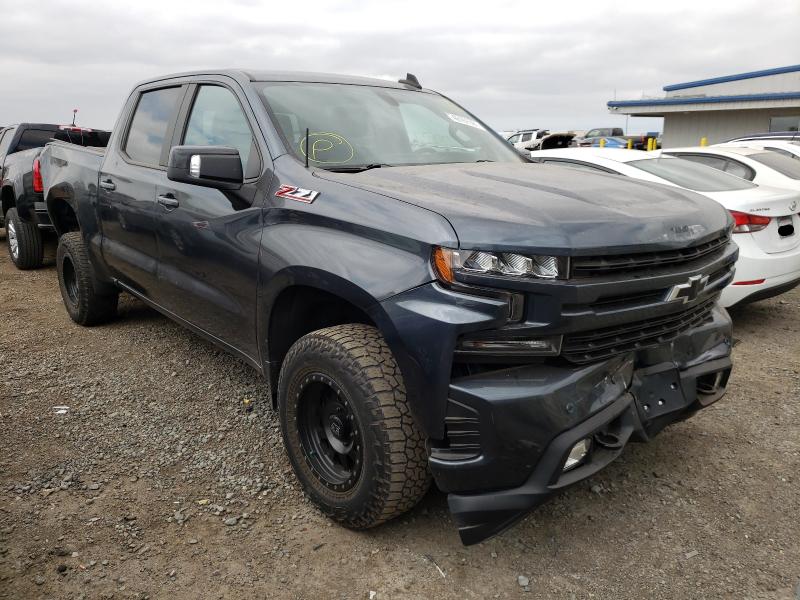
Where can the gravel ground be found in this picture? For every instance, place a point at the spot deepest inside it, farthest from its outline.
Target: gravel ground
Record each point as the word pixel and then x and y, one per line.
pixel 138 461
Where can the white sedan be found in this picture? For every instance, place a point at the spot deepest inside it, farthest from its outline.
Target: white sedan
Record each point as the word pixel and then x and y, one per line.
pixel 767 228
pixel 790 149
pixel 764 167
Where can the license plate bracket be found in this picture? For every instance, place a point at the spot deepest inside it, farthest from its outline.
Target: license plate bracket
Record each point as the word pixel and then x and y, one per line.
pixel 657 391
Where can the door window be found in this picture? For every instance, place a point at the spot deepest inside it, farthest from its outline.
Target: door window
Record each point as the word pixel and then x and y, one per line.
pixel 154 112
pixel 514 139
pixel 526 137
pixel 217 120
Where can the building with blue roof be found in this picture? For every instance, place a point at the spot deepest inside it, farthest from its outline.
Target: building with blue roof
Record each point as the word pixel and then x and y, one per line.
pixel 721 108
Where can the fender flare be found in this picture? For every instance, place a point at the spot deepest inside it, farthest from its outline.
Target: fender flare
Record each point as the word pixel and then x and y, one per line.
pixel 345 289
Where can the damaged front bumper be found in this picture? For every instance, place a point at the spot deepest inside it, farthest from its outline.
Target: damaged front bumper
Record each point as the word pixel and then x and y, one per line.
pixel 510 432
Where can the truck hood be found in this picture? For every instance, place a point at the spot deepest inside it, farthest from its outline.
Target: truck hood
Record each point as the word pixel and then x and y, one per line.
pixel 548 209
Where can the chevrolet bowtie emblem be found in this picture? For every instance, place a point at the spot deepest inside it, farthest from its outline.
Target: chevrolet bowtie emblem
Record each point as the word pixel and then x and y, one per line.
pixel 686 292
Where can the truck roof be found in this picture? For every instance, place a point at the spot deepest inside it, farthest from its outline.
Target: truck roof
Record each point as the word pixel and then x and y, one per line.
pixel 243 75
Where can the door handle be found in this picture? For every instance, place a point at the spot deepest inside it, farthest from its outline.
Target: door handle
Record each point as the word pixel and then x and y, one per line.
pixel 108 185
pixel 168 201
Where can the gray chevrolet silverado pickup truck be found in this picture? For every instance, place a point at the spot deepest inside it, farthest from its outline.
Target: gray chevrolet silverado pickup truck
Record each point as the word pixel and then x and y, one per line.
pixel 424 302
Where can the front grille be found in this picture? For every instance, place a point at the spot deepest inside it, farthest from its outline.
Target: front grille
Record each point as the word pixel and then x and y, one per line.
pixel 614 264
pixel 616 302
pixel 606 342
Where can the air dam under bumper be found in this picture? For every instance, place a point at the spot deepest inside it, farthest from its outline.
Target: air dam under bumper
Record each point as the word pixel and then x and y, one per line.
pixel 526 420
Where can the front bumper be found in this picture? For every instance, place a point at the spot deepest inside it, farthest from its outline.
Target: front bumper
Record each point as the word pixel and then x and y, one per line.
pixel 520 423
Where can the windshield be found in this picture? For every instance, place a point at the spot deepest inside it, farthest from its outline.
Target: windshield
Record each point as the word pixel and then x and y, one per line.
pixel 782 164
pixel 691 175
pixel 352 126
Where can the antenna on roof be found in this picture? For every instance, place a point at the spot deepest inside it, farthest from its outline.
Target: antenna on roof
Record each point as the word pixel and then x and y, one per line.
pixel 411 80
pixel 74 114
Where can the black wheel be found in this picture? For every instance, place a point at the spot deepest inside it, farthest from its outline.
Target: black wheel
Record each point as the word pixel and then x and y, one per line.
pixel 347 427
pixel 84 303
pixel 25 244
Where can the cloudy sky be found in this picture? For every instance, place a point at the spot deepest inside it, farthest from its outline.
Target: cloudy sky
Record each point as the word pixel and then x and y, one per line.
pixel 514 63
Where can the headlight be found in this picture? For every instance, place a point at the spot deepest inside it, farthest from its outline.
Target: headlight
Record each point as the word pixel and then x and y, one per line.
pixel 449 262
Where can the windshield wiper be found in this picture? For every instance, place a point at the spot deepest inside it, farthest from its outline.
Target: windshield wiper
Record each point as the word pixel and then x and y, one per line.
pixel 355 168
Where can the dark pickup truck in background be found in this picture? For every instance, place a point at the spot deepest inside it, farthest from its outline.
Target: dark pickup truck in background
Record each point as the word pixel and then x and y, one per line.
pixel 23 212
pixel 422 300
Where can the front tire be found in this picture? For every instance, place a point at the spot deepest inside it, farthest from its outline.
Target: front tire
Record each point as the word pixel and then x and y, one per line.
pixel 25 243
pixel 347 427
pixel 75 278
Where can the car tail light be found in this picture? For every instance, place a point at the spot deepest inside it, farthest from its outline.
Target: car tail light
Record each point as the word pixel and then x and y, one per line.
pixel 38 184
pixel 746 223
pixel 751 282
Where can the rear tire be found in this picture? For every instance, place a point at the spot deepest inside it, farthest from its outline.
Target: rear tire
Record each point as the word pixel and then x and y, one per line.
pixel 347 426
pixel 24 240
pixel 76 279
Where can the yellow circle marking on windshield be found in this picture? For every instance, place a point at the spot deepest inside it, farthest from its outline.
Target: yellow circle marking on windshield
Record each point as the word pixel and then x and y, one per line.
pixel 327 148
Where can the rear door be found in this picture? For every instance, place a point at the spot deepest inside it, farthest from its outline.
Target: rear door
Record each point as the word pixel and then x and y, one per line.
pixel 133 166
pixel 209 239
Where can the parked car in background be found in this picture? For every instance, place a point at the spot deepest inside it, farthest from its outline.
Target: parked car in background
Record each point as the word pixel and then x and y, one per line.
pixel 423 300
pixel 760 166
pixel 532 140
pixel 552 140
pixel 788 136
pixel 588 138
pixel 767 227
pixel 24 213
pixel 609 142
pixel 525 140
pixel 790 149
pixel 638 141
pixel 604 132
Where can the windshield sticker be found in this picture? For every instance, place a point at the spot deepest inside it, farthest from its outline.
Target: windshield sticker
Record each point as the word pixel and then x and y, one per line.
pixel 327 148
pixel 465 121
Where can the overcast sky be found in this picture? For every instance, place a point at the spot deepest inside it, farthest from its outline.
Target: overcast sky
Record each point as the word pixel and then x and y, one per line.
pixel 515 64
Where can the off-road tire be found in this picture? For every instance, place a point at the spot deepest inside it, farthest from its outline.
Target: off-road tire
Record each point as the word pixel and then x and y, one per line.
pixel 84 304
pixel 394 474
pixel 28 239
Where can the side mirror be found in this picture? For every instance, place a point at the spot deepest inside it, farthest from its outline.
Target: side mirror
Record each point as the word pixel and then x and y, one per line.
pixel 209 166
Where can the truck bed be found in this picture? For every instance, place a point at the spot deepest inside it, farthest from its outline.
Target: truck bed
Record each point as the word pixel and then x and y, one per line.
pixel 65 164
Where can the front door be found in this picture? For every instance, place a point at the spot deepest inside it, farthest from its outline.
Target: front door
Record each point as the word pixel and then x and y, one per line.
pixel 209 239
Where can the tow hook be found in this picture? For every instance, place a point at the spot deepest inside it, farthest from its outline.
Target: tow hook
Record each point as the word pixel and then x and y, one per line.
pixel 609 440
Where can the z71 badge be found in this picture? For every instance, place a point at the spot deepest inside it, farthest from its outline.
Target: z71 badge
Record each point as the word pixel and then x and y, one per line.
pixel 296 193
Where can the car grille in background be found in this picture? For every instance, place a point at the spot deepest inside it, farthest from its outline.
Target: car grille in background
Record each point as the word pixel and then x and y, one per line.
pixel 594 266
pixel 606 342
